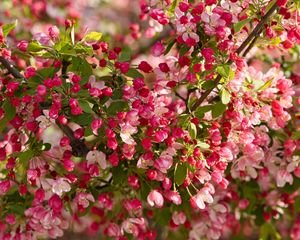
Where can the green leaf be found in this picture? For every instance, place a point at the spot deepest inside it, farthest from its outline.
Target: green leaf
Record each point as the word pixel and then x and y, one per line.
pixel 180 173
pixel 10 111
pixel 82 68
pixel 208 85
pixel 183 50
pixel 268 7
pixel 225 96
pixel 24 157
pixel 297 204
pixel 133 73
pixel 265 85
pixel 83 119
pixel 264 232
pixel 7 28
pixel 92 36
pixel 203 145
pixel 35 46
pixel 238 26
pixel 172 7
pixel 282 136
pixel 267 231
pixel 200 111
pixel 183 120
pixel 119 175
pixel 193 130
pixel 65 48
pixel 83 49
pixel 169 47
pixel 218 109
pixel 117 106
pixel 118 93
pixel 125 55
pixel 223 70
pixel 295 135
pixel 85 105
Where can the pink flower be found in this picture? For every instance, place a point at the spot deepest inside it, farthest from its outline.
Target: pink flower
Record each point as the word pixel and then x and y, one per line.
pixel 283 177
pixel 179 217
pixel 10 219
pixel 97 157
pixel 202 197
pixel 60 185
pixel 55 203
pixel 155 199
pixel 173 196
pixel 163 163
pixel 126 131
pixel 84 199
pixel 113 230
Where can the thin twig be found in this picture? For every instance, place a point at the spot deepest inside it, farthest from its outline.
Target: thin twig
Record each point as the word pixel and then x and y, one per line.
pixel 179 96
pixel 252 35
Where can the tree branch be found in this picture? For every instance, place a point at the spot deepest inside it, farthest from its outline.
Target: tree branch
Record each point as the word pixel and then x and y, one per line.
pixel 254 34
pixel 11 69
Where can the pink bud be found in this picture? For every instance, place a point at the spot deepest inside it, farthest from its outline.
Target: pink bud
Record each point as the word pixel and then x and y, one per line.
pixel 22 46
pixel 10 219
pixel 29 72
pixel 145 67
pixel 55 203
pixel 157 49
pixel 41 90
pixel 68 165
pixel 39 195
pixel 243 204
pixel 53 32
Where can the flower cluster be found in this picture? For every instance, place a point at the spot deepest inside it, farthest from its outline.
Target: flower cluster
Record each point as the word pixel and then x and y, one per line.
pixel 196 137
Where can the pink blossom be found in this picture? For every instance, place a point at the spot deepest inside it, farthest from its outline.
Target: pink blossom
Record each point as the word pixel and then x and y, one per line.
pixel 163 163
pixel 155 199
pixel 96 157
pixel 283 177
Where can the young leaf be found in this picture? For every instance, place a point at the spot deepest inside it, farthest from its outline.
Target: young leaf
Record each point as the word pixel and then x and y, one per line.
pixel 239 25
pixel 224 70
pixel 34 46
pixel 193 130
pixel 225 96
pixel 203 145
pixel 92 36
pixel 7 28
pixel 133 73
pixel 265 85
